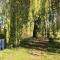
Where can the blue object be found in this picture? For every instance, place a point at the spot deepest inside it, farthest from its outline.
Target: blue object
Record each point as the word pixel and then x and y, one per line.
pixel 2 44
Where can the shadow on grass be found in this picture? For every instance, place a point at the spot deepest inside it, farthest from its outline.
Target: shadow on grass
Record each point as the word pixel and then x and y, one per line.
pixel 42 45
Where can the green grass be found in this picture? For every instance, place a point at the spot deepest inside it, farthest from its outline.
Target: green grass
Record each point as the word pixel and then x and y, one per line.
pixel 27 54
pixel 30 54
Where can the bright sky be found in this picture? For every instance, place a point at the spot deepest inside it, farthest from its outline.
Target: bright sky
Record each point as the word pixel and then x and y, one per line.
pixel 1 5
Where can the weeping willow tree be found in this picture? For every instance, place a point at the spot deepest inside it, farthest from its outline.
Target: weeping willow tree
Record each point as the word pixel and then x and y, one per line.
pixel 56 5
pixel 53 18
pixel 39 17
pixel 21 18
pixel 36 12
pixel 17 17
pixel 45 18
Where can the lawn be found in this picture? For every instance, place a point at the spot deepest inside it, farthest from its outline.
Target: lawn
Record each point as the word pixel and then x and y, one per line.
pixel 27 54
pixel 22 53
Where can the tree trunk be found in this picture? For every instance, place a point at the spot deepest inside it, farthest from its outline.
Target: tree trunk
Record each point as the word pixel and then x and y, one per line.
pixel 35 29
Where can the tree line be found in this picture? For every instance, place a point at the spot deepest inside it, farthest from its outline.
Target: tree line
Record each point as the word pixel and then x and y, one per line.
pixel 36 18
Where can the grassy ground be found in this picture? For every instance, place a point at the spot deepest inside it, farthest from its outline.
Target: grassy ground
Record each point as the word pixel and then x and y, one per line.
pixel 22 53
pixel 27 54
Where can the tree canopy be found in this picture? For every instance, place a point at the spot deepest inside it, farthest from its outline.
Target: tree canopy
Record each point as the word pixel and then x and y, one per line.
pixel 30 18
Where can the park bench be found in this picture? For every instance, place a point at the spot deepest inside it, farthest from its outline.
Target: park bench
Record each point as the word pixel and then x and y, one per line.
pixel 39 43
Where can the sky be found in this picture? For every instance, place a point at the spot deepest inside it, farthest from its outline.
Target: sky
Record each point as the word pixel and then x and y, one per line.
pixel 1 5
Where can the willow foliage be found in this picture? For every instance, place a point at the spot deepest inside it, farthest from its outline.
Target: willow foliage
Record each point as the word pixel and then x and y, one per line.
pixel 23 14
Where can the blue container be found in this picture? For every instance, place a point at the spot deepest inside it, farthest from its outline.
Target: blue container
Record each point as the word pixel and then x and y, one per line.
pixel 2 44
